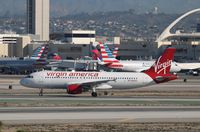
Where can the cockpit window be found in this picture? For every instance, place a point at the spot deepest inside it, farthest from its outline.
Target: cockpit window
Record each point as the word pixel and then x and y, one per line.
pixel 29 76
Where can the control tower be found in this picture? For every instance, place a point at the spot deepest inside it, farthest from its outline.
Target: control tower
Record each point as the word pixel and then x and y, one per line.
pixel 38 18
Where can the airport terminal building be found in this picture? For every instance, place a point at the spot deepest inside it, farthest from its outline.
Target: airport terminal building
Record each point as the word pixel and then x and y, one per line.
pixel 78 43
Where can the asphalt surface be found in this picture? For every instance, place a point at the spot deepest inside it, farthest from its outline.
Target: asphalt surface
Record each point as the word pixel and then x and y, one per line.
pixel 161 113
pixel 99 114
pixel 107 98
pixel 97 109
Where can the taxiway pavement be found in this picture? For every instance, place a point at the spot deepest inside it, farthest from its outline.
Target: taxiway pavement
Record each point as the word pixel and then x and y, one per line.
pixel 160 109
pixel 99 114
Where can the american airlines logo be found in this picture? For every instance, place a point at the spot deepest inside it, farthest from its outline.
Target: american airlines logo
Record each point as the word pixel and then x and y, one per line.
pixel 159 67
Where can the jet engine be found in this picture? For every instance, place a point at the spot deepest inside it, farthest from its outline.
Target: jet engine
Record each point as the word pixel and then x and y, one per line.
pixel 74 89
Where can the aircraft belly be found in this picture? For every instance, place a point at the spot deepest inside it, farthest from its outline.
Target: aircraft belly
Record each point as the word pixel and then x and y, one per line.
pixel 55 84
pixel 121 86
pixel 125 85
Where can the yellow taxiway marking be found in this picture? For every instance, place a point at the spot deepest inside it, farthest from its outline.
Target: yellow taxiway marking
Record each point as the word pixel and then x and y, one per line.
pixel 126 120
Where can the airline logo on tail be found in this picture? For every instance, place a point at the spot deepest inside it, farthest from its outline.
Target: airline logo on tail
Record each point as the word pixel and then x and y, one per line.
pixel 40 53
pixel 159 67
pixel 115 51
pixel 160 71
pixel 163 63
pixel 108 58
pixel 106 54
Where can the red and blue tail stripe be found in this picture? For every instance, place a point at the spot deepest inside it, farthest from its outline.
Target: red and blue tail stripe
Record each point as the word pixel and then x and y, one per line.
pixel 40 54
pixel 108 58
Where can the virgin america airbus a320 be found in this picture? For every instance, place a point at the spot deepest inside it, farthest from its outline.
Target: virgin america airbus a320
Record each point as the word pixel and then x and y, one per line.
pixel 77 82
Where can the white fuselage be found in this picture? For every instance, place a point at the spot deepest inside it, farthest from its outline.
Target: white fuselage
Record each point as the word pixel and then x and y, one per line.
pixel 60 80
pixel 138 66
pixel 189 66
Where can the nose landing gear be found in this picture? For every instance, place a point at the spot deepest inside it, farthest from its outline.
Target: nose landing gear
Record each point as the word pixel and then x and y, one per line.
pixel 41 92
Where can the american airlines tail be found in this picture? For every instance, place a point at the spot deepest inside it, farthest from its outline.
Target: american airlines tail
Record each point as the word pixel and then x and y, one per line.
pixel 115 51
pixel 40 53
pixel 160 70
pixel 111 54
pixel 108 58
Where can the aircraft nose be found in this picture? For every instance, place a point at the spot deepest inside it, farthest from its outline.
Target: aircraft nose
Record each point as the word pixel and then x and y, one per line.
pixel 176 69
pixel 179 68
pixel 24 82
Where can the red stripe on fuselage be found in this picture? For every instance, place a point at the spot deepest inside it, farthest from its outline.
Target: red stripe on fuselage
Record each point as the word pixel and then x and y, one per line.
pixel 111 61
pixel 115 66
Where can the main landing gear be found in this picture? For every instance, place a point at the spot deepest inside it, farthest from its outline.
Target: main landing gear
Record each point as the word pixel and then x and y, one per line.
pixel 94 93
pixel 41 92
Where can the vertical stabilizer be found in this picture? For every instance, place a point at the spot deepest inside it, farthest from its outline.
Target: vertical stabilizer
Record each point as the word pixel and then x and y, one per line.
pixel 40 53
pixel 163 63
pixel 160 70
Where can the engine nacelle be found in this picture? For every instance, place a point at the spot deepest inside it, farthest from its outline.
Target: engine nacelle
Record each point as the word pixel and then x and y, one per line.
pixel 74 89
pixel 165 78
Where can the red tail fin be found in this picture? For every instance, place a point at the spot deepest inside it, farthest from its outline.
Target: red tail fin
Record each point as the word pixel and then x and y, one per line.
pixel 160 71
pixel 57 57
pixel 163 63
pixel 95 53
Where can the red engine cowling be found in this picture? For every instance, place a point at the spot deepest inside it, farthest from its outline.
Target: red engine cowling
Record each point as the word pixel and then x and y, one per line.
pixel 74 89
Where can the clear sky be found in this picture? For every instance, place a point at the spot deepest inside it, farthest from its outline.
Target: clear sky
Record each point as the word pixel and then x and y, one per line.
pixel 64 7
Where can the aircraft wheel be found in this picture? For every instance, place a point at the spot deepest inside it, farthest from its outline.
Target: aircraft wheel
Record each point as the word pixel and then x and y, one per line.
pixel 41 92
pixel 94 94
